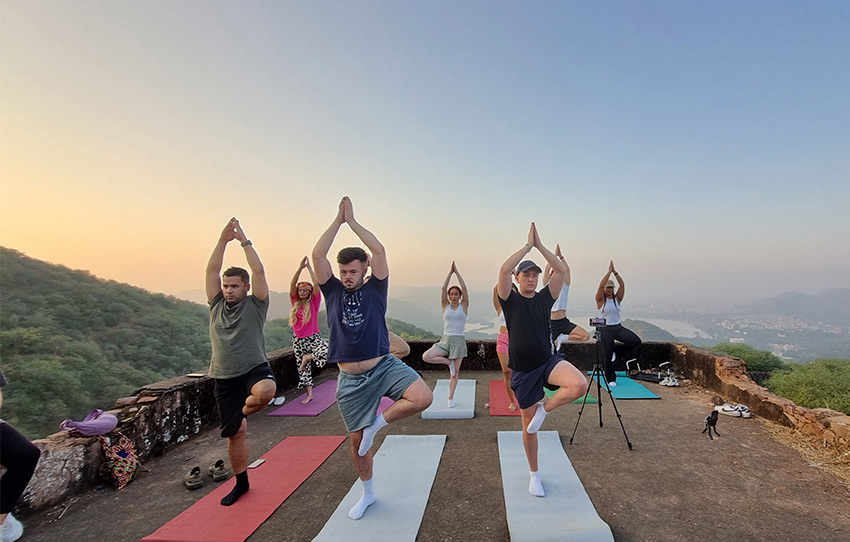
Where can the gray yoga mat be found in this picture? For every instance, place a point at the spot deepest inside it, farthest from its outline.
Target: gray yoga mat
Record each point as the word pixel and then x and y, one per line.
pixel 403 474
pixel 565 513
pixel 464 401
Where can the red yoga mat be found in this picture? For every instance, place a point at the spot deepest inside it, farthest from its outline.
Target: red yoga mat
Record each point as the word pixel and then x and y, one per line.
pixel 287 466
pixel 324 395
pixel 499 400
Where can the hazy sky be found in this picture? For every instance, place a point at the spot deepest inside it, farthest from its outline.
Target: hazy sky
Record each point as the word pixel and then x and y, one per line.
pixel 704 146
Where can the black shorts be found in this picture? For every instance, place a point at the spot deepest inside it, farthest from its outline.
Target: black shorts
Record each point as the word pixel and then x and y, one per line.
pixel 561 326
pixel 230 395
pixel 528 387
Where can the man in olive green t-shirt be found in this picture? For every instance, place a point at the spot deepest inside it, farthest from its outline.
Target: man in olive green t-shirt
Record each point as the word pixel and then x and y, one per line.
pixel 244 382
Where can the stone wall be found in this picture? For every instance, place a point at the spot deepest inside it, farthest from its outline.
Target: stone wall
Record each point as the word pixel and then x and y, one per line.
pixel 155 418
pixel 162 415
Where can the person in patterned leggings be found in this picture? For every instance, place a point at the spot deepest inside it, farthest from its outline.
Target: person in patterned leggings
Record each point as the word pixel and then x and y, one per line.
pixel 308 344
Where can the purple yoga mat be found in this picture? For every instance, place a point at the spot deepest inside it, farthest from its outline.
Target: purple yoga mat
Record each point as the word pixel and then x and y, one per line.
pixel 324 395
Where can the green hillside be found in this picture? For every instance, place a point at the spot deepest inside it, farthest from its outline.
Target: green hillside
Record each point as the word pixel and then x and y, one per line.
pixel 647 331
pixel 70 342
pixel 409 331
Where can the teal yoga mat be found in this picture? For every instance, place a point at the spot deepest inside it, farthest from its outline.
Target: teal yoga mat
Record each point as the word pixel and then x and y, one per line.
pixel 629 389
pixel 590 398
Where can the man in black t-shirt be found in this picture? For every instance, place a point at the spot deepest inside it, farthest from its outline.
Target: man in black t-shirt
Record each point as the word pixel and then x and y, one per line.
pixel 532 360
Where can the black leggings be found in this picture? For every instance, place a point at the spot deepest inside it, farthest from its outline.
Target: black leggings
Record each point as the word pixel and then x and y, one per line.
pixel 19 456
pixel 627 350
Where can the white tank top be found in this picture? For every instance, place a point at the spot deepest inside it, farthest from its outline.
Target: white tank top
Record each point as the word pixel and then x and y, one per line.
pixel 454 321
pixel 611 312
pixel 502 322
pixel 561 303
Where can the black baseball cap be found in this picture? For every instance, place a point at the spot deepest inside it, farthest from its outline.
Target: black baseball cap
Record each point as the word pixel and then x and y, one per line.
pixel 528 265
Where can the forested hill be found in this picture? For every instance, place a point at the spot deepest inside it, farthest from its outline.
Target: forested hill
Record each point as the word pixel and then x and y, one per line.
pixel 70 342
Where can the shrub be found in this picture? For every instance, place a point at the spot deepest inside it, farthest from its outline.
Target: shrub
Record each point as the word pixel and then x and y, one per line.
pixel 756 360
pixel 822 383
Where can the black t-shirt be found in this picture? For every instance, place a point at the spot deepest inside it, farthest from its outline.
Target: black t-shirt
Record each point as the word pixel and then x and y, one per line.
pixel 527 319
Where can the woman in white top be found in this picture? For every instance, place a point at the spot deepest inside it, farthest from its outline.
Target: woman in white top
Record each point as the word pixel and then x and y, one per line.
pixel 452 346
pixel 609 303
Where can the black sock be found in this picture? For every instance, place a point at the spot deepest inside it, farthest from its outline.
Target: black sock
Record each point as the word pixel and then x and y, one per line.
pixel 239 489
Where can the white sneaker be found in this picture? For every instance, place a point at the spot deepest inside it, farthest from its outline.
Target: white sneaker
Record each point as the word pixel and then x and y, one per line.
pixel 11 530
pixel 729 410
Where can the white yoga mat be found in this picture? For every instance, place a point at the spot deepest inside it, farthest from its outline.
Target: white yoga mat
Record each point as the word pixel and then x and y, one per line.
pixel 565 513
pixel 464 401
pixel 403 474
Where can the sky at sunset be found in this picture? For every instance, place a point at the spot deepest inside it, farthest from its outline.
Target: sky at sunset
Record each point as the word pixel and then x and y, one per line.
pixel 703 146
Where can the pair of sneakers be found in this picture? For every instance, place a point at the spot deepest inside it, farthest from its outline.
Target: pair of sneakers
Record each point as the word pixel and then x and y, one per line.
pixel 736 411
pixel 194 479
pixel 11 529
pixel 670 381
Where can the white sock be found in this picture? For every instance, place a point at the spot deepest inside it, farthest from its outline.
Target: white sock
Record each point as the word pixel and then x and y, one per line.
pixel 366 499
pixel 452 404
pixel 535 487
pixel 537 420
pixel 561 338
pixel 452 370
pixel 369 435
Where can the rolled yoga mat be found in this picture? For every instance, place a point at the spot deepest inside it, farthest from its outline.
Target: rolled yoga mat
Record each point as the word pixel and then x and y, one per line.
pixel 565 513
pixel 403 473
pixel 286 467
pixel 324 395
pixel 464 401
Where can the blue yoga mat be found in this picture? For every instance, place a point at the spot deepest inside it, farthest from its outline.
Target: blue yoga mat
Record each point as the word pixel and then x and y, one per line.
pixel 629 389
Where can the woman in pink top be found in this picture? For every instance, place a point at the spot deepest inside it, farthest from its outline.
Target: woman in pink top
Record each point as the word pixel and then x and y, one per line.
pixel 304 321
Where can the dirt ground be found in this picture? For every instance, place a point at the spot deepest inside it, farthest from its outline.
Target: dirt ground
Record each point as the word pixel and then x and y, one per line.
pixel 675 484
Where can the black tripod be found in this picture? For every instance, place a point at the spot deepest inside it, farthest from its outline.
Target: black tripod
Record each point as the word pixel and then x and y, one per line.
pixel 598 374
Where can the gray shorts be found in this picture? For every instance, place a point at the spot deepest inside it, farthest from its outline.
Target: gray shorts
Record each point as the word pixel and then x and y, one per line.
pixel 358 396
pixel 453 345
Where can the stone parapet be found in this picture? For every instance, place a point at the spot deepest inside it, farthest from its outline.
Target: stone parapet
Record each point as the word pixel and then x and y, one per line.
pixel 155 418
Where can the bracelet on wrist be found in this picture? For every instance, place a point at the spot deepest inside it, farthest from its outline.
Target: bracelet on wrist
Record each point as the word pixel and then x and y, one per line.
pixel 247 243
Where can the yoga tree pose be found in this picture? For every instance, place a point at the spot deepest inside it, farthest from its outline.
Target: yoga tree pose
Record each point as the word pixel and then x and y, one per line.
pixel 531 359
pixel 452 346
pixel 359 344
pixel 609 303
pixel 308 344
pixel 244 383
pixel 560 326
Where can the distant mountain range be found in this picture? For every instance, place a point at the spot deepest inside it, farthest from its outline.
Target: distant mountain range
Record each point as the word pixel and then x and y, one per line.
pixel 829 307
